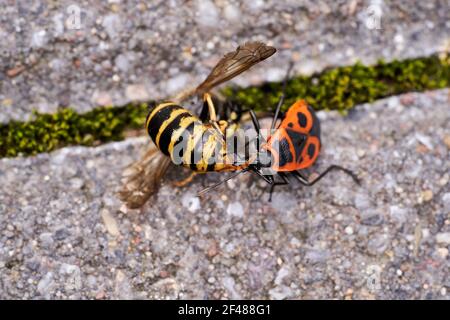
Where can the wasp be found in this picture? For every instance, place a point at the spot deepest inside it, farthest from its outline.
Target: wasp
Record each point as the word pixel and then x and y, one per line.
pixel 182 138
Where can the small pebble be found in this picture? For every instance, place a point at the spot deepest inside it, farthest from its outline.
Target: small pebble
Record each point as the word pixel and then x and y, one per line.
pixel 207 14
pixel 137 92
pixel 360 153
pixel 443 237
pixel 192 203
pixel 211 280
pixel 349 230
pixel 447 141
pixel 442 252
pixel 213 250
pixel 427 195
pixel 444 180
pixel 399 190
pixel 110 223
pixel 235 209
pixel 232 13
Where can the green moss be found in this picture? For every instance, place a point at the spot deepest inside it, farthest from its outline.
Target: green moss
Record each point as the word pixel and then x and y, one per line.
pixel 66 127
pixel 338 89
pixel 344 87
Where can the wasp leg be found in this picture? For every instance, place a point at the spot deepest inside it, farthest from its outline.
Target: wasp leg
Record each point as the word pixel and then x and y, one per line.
pixel 280 102
pixel 208 112
pixel 185 181
pixel 211 108
pixel 305 181
pixel 204 112
pixel 278 183
pixel 212 113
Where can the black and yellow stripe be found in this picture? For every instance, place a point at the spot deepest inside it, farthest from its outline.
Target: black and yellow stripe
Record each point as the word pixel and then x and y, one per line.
pixel 186 140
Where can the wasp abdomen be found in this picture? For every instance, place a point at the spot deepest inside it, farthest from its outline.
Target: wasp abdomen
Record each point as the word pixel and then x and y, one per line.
pixel 185 139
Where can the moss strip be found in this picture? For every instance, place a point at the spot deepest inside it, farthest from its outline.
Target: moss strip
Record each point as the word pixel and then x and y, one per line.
pixel 342 88
pixel 338 89
pixel 48 132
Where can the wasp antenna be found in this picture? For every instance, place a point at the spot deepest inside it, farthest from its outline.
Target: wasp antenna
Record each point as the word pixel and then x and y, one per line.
pixel 206 190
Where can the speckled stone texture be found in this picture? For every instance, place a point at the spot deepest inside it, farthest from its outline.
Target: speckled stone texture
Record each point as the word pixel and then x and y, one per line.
pixel 119 51
pixel 64 234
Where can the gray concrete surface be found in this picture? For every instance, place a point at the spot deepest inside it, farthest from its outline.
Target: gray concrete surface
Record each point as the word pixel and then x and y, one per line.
pixel 64 234
pixel 118 51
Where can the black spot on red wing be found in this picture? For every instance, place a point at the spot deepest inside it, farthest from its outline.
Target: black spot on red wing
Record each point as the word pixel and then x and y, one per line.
pixel 285 155
pixel 311 150
pixel 302 120
pixel 298 141
pixel 290 124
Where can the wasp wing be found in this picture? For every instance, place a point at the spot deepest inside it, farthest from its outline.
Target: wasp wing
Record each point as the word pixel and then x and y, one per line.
pixel 141 179
pixel 234 63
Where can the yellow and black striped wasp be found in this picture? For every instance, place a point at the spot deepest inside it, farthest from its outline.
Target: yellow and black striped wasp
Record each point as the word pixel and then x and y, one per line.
pixel 180 137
